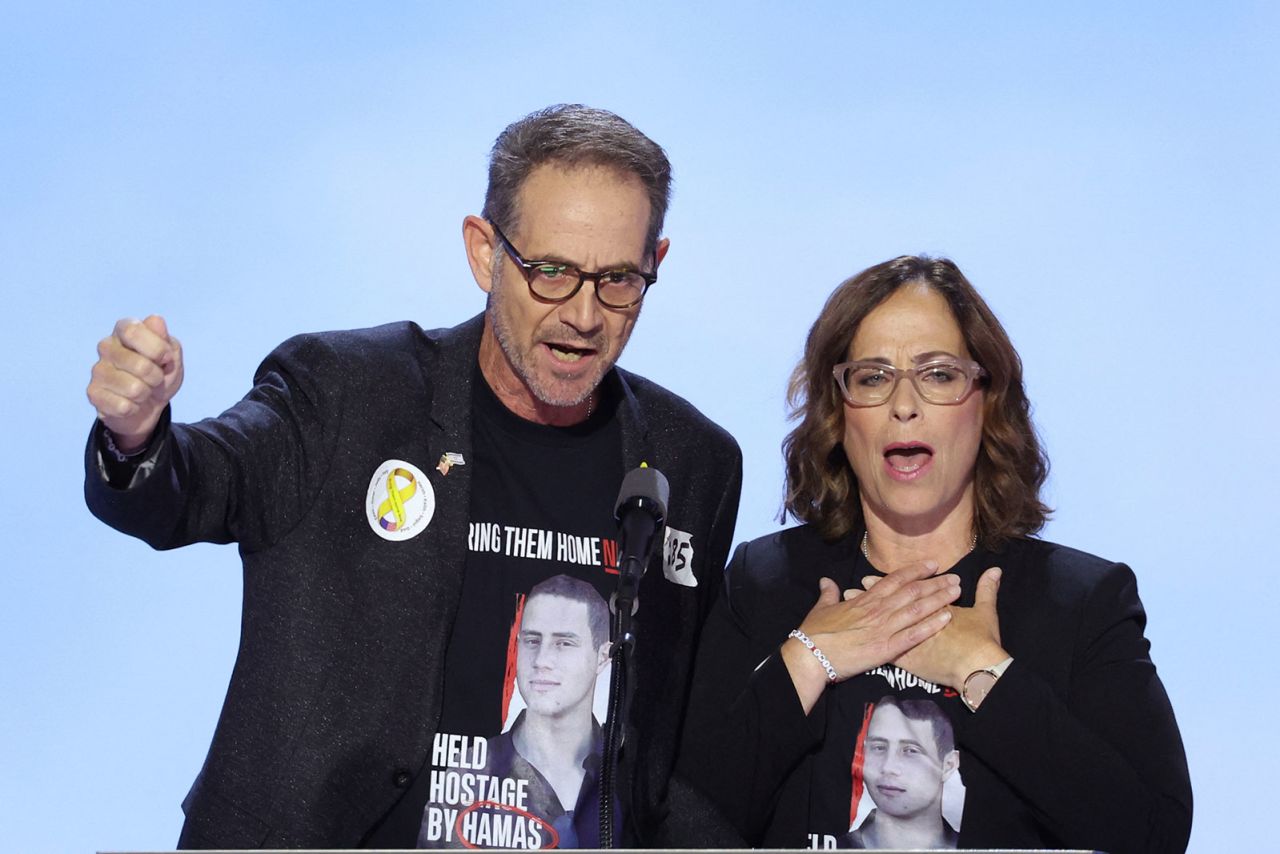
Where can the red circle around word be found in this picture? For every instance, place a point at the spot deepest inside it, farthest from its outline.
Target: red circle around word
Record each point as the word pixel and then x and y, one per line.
pixel 457 824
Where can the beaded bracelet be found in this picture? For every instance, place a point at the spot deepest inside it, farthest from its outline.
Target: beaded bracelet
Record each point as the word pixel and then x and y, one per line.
pixel 110 440
pixel 832 676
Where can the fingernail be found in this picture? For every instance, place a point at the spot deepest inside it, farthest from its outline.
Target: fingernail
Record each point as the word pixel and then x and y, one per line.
pixel 996 573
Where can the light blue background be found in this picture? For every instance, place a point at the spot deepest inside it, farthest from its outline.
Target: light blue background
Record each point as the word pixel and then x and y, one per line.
pixel 1105 173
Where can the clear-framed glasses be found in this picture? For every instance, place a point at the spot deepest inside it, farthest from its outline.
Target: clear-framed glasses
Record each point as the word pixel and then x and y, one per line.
pixel 945 382
pixel 554 281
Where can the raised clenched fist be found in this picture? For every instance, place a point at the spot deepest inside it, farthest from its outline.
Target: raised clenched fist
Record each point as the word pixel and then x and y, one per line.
pixel 139 370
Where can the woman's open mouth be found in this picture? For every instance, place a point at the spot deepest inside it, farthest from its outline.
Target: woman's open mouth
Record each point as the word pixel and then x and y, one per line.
pixel 907 460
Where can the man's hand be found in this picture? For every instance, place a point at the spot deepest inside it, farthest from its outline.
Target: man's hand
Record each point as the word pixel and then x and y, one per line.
pixel 139 370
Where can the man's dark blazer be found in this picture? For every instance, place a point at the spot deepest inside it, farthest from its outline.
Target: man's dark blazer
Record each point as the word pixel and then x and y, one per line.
pixel 336 690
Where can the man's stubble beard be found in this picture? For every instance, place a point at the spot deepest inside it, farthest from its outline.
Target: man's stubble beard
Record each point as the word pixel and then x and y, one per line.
pixel 524 370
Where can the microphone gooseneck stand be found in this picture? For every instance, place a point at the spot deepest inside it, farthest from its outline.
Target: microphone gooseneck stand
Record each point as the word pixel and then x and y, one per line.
pixel 641 511
pixel 623 605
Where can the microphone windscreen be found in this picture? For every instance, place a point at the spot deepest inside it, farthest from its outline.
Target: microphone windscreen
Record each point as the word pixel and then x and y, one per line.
pixel 647 484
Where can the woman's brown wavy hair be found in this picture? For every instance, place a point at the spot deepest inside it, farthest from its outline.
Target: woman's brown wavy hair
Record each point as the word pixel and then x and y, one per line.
pixel 821 487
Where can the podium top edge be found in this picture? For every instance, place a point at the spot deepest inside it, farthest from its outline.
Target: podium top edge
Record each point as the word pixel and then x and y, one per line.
pixel 627 851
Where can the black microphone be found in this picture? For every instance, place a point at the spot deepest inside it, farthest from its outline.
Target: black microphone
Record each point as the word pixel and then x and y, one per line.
pixel 641 511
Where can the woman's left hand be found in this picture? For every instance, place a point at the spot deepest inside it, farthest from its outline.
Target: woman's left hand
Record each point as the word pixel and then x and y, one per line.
pixel 971 641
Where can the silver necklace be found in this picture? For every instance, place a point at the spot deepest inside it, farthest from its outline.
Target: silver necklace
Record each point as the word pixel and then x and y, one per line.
pixel 973 542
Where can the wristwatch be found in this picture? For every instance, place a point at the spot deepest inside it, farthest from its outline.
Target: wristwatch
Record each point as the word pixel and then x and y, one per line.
pixel 978 684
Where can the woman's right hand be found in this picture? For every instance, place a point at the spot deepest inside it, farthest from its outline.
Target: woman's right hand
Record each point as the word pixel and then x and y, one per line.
pixel 869 628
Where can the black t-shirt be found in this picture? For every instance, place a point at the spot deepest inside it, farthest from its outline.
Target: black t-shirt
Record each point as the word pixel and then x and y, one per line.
pixel 888 755
pixel 541 516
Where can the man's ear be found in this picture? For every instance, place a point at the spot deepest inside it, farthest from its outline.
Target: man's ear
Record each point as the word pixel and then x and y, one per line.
pixel 950 763
pixel 478 240
pixel 602 656
pixel 660 252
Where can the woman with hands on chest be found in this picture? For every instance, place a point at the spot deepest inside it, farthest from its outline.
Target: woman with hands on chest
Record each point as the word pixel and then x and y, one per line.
pixel 910 668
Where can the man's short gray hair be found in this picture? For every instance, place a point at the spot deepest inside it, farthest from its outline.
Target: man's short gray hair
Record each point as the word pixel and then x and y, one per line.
pixel 571 135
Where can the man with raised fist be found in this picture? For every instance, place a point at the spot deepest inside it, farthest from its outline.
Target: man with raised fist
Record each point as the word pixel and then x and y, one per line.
pixel 396 493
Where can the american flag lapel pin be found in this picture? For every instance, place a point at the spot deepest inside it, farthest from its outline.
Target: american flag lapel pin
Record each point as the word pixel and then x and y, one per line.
pixel 448 460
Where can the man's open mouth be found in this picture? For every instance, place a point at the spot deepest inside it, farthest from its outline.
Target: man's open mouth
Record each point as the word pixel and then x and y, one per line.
pixel 566 353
